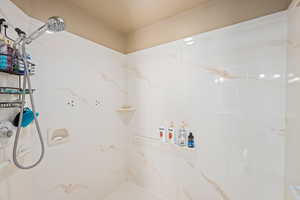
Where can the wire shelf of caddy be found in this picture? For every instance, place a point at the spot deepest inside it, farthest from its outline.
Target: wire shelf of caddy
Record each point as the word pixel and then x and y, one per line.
pixel 11 104
pixel 12 63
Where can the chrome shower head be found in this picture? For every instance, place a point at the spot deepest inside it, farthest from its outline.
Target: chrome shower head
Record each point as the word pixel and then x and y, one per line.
pixel 55 24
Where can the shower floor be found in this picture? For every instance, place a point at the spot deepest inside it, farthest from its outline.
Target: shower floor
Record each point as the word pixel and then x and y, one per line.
pixel 130 191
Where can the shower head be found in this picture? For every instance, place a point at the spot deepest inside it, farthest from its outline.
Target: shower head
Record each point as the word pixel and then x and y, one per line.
pixel 53 24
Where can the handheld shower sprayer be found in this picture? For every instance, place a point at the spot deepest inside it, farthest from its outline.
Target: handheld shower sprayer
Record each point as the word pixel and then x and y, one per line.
pixel 54 24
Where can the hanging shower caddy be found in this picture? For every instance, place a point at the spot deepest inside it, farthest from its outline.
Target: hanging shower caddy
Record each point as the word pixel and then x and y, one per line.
pixel 15 70
pixel 13 65
pixel 15 61
pixel 11 62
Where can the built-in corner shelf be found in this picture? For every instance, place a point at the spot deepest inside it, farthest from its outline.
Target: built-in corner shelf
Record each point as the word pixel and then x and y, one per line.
pixel 126 109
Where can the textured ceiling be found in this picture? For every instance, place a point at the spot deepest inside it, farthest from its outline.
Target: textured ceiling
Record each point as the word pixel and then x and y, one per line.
pixel 129 15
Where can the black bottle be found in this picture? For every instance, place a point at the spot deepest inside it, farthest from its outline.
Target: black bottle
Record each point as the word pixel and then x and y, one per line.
pixel 191 142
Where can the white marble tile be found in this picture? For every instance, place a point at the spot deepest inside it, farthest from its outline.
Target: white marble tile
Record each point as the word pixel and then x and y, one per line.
pixel 215 86
pixel 293 111
pixel 70 68
pixel 131 191
pixel 229 86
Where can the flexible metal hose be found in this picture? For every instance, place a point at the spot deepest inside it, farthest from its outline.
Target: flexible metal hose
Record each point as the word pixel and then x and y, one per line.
pixel 17 137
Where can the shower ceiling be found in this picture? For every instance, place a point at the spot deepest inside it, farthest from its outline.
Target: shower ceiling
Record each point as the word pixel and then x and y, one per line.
pixel 130 15
pixel 130 25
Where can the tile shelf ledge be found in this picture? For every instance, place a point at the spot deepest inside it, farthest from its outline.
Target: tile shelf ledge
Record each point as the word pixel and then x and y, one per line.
pixel 178 148
pixel 162 145
pixel 126 109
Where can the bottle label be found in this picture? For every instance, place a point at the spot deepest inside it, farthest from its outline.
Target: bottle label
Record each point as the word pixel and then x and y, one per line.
pixel 162 134
pixel 171 135
pixel 191 144
pixel 182 137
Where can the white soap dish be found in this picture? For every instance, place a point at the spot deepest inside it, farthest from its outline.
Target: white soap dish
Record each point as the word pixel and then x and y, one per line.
pixel 58 136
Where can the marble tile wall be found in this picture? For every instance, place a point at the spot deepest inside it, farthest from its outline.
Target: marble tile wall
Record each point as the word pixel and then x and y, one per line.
pixel 228 85
pixel 71 69
pixel 293 112
pixel 14 184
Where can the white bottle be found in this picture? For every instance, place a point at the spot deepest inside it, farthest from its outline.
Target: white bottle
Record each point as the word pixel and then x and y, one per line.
pixel 171 134
pixel 182 135
pixel 162 134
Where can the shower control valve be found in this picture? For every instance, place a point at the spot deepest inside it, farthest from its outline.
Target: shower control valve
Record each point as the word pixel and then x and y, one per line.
pixel 6 130
pixel 6 133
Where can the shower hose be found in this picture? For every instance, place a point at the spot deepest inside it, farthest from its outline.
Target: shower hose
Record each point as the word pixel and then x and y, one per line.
pixel 26 79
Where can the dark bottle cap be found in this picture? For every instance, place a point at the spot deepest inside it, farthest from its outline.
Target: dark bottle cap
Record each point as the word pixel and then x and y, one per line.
pixel 191 135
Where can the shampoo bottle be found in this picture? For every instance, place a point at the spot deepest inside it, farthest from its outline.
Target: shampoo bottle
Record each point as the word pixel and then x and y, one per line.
pixel 191 141
pixel 162 134
pixel 182 135
pixel 171 134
